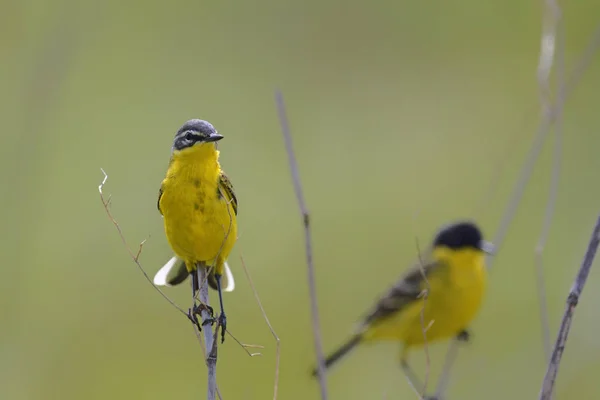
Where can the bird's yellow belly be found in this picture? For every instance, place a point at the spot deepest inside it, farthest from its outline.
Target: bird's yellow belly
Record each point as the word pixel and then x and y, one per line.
pixel 448 309
pixel 446 314
pixel 198 227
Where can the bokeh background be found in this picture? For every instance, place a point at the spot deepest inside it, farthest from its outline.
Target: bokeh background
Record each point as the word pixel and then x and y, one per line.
pixel 403 115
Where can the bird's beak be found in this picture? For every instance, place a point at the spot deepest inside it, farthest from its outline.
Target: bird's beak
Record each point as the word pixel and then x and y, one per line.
pixel 215 137
pixel 487 247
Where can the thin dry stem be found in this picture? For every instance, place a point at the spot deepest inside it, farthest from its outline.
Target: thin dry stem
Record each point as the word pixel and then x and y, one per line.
pixel 414 389
pixel 572 300
pixel 568 86
pixel 550 21
pixel 424 294
pixel 551 47
pixel 451 355
pixel 564 90
pixel 246 346
pixel 210 338
pixel 227 232
pixel 277 341
pixel 134 256
pixel 316 328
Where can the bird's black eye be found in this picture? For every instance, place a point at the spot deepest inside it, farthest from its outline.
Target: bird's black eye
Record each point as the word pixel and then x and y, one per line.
pixel 189 136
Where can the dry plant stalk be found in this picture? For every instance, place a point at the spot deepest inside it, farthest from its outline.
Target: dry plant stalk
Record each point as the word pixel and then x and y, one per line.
pixel 277 341
pixel 134 256
pixel 316 328
pixel 565 326
pixel 565 88
pixel 210 339
pixel 512 206
pixel 424 294
pixel 551 48
pixel 542 131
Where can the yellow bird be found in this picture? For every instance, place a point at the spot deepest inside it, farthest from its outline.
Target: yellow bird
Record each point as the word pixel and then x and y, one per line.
pixel 199 208
pixel 438 298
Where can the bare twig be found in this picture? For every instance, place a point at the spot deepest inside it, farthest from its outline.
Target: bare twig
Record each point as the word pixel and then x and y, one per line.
pixel 550 21
pixel 448 363
pixel 246 346
pixel 211 360
pixel 522 182
pixel 210 339
pixel 568 86
pixel 307 237
pixel 552 46
pixel 277 341
pixel 414 389
pixel 424 294
pixel 202 347
pixel 134 256
pixel 565 326
pixel 213 265
pixel 564 90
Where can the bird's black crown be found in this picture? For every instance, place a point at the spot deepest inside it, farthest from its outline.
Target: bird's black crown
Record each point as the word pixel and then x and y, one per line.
pixel 459 235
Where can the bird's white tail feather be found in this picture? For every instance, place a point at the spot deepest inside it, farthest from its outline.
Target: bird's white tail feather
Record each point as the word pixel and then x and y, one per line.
pixel 229 281
pixel 160 279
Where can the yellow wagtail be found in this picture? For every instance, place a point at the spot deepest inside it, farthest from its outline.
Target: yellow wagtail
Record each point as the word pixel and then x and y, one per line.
pixel 436 299
pixel 199 208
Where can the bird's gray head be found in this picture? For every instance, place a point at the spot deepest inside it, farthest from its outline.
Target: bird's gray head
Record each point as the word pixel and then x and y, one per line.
pixel 195 131
pixel 462 235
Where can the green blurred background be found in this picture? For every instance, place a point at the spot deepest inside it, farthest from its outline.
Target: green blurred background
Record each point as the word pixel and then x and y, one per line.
pixel 401 113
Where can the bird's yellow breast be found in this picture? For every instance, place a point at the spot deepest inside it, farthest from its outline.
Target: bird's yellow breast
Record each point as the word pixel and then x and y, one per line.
pixel 455 295
pixel 200 222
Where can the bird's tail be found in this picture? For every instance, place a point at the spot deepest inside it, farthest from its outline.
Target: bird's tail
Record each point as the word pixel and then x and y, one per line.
pixel 175 272
pixel 172 273
pixel 227 281
pixel 340 352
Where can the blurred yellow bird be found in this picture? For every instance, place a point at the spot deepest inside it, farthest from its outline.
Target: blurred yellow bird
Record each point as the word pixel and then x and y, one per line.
pixel 199 208
pixel 438 298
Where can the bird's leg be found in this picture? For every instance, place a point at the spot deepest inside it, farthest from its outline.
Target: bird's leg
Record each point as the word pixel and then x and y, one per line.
pixel 195 285
pixel 192 310
pixel 196 309
pixel 222 317
pixel 463 336
pixel 410 374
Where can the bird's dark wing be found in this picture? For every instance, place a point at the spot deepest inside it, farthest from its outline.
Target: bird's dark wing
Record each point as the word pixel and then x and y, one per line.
pixel 407 290
pixel 226 189
pixel 160 192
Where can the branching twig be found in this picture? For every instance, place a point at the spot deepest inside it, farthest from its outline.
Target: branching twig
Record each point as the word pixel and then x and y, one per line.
pixel 246 346
pixel 277 341
pixel 525 174
pixel 134 256
pixel 565 88
pixel 307 237
pixel 572 300
pixel 211 348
